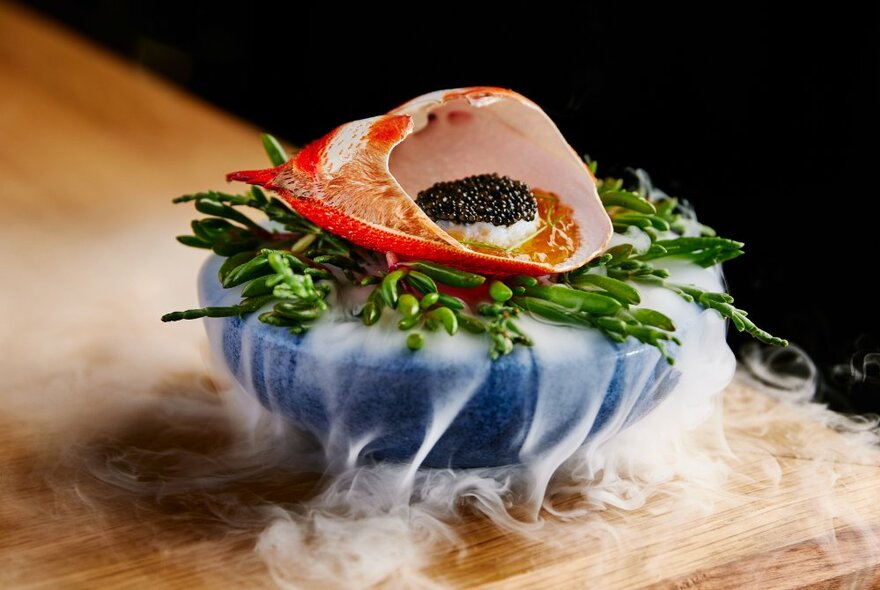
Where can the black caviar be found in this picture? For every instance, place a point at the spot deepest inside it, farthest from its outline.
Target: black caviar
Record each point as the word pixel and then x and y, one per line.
pixel 498 200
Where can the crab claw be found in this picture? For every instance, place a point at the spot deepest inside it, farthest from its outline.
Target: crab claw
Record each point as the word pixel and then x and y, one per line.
pixel 360 180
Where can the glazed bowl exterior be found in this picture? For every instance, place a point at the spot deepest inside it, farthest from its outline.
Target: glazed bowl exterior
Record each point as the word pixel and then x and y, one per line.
pixel 361 393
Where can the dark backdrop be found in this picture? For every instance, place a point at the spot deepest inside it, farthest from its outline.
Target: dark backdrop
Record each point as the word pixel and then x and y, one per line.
pixel 766 121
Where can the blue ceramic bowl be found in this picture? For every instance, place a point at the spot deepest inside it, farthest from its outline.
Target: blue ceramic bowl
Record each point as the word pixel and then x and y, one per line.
pixel 364 395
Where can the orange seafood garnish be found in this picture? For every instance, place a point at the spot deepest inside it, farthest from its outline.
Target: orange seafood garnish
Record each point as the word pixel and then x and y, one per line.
pixel 361 179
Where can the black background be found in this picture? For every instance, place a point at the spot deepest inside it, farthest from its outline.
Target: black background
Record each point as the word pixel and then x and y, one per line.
pixel 766 121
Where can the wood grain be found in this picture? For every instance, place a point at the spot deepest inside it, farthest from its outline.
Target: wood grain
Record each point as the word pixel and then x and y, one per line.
pixel 89 140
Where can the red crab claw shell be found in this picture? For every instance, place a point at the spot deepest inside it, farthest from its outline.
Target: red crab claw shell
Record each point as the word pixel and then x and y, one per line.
pixel 360 180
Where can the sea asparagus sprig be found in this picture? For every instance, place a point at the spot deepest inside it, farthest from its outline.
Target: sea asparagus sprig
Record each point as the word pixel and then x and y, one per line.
pixel 723 304
pixel 623 263
pixel 272 277
pixel 287 269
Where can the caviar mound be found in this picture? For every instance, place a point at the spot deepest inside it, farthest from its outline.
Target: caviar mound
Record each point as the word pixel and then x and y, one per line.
pixel 483 197
pixel 361 180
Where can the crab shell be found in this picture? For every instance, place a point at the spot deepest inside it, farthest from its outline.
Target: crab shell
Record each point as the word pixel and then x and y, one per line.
pixel 360 180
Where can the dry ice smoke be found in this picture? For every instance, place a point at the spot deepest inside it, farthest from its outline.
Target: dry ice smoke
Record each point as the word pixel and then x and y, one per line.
pixel 126 426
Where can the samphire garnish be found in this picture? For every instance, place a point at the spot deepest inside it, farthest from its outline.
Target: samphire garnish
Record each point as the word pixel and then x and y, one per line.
pixel 287 274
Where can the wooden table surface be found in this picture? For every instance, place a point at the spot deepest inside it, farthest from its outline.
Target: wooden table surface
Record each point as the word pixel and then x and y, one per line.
pixel 92 151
